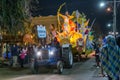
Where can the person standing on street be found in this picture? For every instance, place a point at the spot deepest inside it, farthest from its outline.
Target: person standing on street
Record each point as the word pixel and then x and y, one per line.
pixel 22 56
pixel 14 52
pixel 97 53
pixel 96 47
pixel 110 58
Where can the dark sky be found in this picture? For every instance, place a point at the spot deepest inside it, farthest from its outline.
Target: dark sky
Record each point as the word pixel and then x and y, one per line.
pixel 89 7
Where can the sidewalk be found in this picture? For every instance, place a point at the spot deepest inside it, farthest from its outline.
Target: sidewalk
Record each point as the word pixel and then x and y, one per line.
pixel 97 72
pixel 86 70
pixel 97 76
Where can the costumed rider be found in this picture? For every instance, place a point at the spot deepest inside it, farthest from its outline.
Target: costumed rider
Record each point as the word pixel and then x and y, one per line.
pixel 80 44
pixel 66 25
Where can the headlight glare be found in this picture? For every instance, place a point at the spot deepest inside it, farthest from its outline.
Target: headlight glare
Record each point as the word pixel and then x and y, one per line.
pixel 39 53
pixel 51 53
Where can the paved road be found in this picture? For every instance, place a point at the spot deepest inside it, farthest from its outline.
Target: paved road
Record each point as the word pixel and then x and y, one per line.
pixel 80 71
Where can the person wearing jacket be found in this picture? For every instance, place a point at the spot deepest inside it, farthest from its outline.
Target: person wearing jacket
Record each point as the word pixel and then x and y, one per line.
pixel 14 53
pixel 22 56
pixel 110 58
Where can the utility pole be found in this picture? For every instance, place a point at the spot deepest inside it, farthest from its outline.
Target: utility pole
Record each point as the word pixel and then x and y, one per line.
pixel 114 18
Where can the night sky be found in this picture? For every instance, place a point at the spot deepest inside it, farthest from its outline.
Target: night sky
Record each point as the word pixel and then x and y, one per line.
pixel 89 7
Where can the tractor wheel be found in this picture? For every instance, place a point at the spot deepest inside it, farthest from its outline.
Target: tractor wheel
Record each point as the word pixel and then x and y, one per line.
pixel 68 59
pixel 59 67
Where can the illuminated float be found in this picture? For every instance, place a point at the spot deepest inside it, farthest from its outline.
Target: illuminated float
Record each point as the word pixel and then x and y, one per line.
pixel 75 31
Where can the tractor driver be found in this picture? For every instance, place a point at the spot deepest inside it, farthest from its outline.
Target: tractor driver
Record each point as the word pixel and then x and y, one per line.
pixel 55 43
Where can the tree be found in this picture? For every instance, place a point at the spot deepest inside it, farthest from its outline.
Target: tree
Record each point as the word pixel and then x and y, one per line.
pixel 14 13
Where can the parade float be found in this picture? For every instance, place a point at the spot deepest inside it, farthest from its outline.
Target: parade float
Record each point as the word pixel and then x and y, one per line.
pixel 71 29
pixel 75 31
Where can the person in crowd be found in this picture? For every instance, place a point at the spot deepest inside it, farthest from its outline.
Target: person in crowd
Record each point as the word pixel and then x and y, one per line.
pixel 110 58
pixel 14 53
pixel 53 31
pixel 35 48
pixel 96 47
pixel 4 51
pixel 97 54
pixel 22 56
pixel 30 52
pixel 8 52
pixel 0 49
pixel 19 52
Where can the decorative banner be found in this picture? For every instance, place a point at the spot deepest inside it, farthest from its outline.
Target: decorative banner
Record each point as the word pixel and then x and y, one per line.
pixel 41 31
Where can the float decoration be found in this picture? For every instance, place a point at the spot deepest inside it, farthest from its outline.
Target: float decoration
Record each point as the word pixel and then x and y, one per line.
pixel 28 38
pixel 58 18
pixel 75 29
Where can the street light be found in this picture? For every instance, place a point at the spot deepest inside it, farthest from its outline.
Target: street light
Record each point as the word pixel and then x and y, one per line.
pixel 102 4
pixel 109 25
pixel 109 9
pixel 114 18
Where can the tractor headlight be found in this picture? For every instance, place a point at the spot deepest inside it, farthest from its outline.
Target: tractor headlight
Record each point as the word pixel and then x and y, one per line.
pixel 51 52
pixel 39 53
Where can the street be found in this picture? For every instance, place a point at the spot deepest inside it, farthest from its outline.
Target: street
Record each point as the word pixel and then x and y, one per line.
pixel 84 70
pixel 82 35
